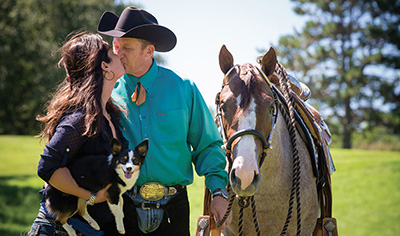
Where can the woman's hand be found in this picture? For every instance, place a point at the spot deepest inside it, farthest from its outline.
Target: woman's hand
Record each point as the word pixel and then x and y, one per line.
pixel 102 194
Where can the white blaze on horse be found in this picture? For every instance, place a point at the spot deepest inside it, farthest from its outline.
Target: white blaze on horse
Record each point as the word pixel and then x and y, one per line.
pixel 251 123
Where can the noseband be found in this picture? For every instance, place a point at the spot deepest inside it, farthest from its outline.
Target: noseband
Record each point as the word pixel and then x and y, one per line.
pixel 252 132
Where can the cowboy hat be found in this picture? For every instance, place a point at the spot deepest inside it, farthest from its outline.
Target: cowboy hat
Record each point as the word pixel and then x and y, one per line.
pixel 137 23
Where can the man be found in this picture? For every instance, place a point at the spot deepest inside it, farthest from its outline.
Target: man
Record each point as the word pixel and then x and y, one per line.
pixel 171 113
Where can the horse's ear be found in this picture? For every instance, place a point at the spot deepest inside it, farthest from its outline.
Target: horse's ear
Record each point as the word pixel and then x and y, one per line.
pixel 225 59
pixel 268 62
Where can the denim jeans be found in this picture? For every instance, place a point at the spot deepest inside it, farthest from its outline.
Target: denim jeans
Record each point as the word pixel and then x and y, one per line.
pixel 172 218
pixel 46 226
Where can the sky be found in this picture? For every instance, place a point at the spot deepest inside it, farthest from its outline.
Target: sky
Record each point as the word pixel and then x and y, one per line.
pixel 203 26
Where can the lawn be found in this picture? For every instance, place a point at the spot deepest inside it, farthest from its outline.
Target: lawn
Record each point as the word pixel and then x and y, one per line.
pixel 366 189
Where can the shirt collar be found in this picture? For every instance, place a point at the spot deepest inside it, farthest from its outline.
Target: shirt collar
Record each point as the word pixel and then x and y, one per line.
pixel 147 79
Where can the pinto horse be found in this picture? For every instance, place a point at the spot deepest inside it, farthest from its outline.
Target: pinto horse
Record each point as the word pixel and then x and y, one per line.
pixel 252 121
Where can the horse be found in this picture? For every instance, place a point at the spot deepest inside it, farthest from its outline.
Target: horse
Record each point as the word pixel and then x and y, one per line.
pixel 259 143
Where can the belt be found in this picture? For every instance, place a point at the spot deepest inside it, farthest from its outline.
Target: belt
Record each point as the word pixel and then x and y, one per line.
pixel 153 191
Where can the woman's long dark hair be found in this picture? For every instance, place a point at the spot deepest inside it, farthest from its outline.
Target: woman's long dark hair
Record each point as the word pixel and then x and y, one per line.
pixel 81 57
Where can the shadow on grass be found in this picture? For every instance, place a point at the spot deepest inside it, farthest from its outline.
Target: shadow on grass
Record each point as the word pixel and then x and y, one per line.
pixel 19 206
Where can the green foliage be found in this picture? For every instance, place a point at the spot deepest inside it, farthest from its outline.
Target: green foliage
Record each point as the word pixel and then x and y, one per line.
pixel 351 61
pixel 32 30
pixel 377 138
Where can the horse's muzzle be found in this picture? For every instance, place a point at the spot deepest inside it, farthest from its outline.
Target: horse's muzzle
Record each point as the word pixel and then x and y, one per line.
pixel 249 190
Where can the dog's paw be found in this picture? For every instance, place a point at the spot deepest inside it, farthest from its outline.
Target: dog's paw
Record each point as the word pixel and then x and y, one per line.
pixel 69 229
pixel 94 224
pixel 121 229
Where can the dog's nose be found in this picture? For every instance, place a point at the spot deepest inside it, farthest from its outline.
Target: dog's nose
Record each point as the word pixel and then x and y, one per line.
pixel 129 169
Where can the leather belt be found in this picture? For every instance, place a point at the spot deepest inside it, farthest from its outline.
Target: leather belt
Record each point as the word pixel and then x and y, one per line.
pixel 154 191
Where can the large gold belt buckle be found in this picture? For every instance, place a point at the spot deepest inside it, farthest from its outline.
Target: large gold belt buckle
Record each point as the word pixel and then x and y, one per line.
pixel 152 191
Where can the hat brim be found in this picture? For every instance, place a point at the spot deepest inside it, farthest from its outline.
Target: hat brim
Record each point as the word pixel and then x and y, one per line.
pixel 163 38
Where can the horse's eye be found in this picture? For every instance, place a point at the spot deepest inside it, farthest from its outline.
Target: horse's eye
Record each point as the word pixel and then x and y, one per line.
pixel 272 109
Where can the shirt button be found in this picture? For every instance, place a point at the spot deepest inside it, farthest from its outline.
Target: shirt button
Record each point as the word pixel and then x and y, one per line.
pixel 151 178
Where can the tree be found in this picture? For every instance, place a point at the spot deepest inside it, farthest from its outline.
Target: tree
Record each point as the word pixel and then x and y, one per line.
pixel 348 53
pixel 32 30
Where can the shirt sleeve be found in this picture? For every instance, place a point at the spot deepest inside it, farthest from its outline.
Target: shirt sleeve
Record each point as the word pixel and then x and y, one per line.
pixel 208 156
pixel 64 144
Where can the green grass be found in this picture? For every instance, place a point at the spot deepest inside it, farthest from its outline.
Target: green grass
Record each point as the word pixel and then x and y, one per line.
pixel 366 189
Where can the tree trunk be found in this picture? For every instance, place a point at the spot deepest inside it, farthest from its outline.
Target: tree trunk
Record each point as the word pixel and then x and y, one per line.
pixel 347 121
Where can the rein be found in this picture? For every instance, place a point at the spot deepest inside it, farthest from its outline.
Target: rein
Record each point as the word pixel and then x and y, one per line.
pixel 266 143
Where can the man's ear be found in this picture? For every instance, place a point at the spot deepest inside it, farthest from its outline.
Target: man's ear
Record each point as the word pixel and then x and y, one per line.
pixel 149 50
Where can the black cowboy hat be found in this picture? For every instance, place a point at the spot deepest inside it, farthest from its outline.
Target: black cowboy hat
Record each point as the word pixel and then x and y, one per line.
pixel 137 23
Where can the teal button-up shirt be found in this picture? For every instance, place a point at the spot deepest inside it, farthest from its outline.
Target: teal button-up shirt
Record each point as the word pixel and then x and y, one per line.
pixel 179 126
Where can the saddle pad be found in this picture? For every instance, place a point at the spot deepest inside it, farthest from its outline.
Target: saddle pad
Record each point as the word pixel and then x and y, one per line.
pixel 317 127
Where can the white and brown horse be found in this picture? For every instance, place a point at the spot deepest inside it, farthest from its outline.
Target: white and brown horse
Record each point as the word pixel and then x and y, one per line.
pixel 252 122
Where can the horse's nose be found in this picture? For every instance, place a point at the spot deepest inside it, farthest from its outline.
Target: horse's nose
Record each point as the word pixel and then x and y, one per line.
pixel 243 180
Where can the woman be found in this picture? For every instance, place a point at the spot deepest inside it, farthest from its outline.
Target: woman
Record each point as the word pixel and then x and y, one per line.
pixel 81 120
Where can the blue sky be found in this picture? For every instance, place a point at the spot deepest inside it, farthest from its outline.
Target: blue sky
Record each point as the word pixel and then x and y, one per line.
pixel 203 26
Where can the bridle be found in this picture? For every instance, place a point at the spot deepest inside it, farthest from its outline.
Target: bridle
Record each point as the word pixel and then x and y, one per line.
pixel 244 202
pixel 287 110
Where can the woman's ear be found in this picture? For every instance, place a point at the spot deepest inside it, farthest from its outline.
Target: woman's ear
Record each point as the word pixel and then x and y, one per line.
pixel 104 66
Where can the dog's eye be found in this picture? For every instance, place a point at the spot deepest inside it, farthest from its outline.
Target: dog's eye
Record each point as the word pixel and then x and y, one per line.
pixel 124 160
pixel 135 161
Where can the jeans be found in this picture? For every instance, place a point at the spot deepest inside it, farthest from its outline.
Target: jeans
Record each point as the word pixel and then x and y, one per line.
pixel 46 226
pixel 153 221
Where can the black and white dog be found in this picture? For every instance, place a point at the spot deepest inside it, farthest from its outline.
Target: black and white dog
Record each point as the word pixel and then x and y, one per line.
pixel 121 169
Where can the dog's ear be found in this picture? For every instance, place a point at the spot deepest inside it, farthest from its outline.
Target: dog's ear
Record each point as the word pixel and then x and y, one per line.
pixel 142 148
pixel 116 146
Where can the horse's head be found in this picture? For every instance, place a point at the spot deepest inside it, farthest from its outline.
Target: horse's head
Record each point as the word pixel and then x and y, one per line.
pixel 246 103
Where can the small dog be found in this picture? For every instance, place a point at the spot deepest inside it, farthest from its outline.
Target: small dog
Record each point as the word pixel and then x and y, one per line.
pixel 121 169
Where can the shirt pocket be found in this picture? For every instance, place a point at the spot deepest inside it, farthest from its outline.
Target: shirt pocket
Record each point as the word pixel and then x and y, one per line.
pixel 171 126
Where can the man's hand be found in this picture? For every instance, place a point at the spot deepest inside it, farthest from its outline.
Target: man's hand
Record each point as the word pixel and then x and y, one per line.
pixel 218 208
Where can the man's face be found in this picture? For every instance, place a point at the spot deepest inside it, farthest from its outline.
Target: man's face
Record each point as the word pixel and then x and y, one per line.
pixel 132 55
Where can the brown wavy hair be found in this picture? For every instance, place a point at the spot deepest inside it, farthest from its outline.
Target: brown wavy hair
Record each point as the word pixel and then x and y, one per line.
pixel 81 57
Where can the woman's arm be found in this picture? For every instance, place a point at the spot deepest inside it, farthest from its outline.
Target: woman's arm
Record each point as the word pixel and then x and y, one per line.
pixel 63 181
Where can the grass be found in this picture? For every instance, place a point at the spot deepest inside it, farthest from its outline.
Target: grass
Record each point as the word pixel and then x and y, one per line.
pixel 366 189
